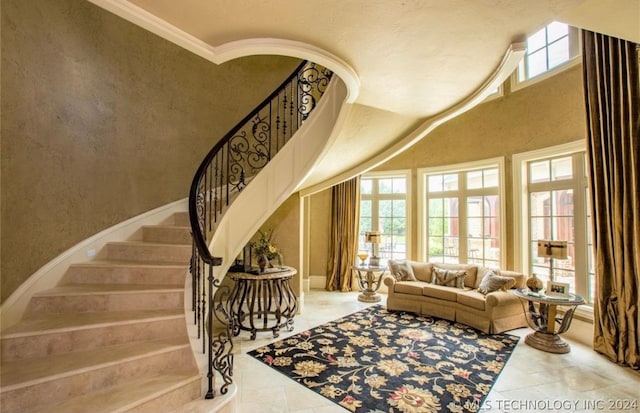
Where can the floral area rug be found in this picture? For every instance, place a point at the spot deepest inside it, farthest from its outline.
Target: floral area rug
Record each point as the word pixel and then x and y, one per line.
pixel 378 361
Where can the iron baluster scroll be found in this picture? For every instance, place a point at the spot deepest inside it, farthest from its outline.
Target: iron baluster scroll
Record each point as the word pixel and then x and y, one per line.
pixel 224 172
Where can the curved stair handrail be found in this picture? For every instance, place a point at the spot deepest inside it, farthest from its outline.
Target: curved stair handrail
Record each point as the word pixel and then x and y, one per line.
pixel 248 147
pixel 224 172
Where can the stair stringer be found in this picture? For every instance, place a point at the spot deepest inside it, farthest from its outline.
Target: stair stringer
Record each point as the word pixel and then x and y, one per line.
pixel 280 177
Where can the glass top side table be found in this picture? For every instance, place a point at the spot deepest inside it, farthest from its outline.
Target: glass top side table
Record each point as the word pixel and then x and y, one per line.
pixel 543 317
pixel 369 282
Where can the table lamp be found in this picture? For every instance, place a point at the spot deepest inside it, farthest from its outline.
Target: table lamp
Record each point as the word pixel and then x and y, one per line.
pixel 552 250
pixel 374 238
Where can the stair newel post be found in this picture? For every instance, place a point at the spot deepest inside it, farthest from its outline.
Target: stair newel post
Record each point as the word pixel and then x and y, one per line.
pixel 210 310
pixel 193 268
pixel 203 311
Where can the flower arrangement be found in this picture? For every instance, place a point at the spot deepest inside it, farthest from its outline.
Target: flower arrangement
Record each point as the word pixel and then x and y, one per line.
pixel 264 247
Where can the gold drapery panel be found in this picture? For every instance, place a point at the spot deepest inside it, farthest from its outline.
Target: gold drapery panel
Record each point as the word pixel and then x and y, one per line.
pixel 612 95
pixel 343 242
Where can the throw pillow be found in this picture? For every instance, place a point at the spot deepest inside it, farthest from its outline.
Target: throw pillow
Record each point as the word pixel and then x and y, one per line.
pixel 401 270
pixel 494 282
pixel 449 278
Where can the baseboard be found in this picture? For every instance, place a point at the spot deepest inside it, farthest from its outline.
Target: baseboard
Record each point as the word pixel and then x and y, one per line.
pixel 317 282
pixel 50 274
pixel 580 331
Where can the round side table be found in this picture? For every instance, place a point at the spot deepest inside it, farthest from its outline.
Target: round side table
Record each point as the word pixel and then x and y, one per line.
pixel 542 316
pixel 262 302
pixel 369 282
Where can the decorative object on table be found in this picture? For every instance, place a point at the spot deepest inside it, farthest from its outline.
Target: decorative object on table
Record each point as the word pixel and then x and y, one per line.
pixel 363 256
pixel 558 290
pixel 263 262
pixel 265 250
pixel 376 360
pixel 373 238
pixel 552 250
pixel 534 283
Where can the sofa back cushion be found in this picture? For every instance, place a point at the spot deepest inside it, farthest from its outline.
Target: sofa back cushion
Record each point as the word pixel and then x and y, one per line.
pixel 422 270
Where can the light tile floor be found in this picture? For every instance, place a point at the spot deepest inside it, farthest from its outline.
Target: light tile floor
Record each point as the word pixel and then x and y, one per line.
pixel 532 381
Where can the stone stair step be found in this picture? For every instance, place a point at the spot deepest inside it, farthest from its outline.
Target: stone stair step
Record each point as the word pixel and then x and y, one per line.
pixel 55 378
pixel 148 252
pixel 149 395
pixel 166 234
pixel 42 337
pixel 84 298
pixel 124 272
pixel 112 336
pixel 181 219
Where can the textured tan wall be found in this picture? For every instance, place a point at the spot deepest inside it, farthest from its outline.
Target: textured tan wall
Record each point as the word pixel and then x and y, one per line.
pixel 102 121
pixel 319 226
pixel 286 225
pixel 548 113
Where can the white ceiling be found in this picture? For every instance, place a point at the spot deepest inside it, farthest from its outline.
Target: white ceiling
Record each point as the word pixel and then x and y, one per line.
pixel 413 59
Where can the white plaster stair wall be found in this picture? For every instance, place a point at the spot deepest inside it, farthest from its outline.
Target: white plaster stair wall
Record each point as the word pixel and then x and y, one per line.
pixel 280 177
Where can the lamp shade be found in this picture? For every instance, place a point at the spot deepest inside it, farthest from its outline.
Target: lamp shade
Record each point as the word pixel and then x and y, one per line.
pixel 552 249
pixel 372 237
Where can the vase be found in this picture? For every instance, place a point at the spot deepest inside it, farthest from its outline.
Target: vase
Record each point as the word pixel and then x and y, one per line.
pixel 534 283
pixel 263 261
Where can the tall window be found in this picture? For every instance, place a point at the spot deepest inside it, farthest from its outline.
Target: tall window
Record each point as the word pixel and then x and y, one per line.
pixel 556 207
pixel 384 200
pixel 462 214
pixel 548 48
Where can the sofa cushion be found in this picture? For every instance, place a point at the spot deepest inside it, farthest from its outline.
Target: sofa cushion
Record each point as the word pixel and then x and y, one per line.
pixel 472 271
pixel 482 271
pixel 440 292
pixel 520 278
pixel 401 270
pixel 448 278
pixel 422 270
pixel 472 298
pixel 494 282
pixel 409 287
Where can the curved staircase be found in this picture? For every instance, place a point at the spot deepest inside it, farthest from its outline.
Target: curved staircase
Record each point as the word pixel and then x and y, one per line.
pixel 111 337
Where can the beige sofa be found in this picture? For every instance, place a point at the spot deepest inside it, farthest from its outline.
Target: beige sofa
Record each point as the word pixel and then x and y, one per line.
pixel 494 312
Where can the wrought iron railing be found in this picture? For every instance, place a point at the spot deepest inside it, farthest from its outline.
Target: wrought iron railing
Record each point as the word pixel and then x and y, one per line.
pixel 225 171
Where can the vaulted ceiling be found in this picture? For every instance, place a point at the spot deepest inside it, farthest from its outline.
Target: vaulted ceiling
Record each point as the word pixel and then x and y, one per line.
pixel 405 61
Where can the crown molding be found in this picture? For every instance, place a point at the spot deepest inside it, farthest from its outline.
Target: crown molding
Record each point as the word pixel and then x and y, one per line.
pixel 228 51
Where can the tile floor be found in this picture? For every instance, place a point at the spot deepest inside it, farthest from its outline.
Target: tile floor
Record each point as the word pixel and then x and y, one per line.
pixel 532 381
